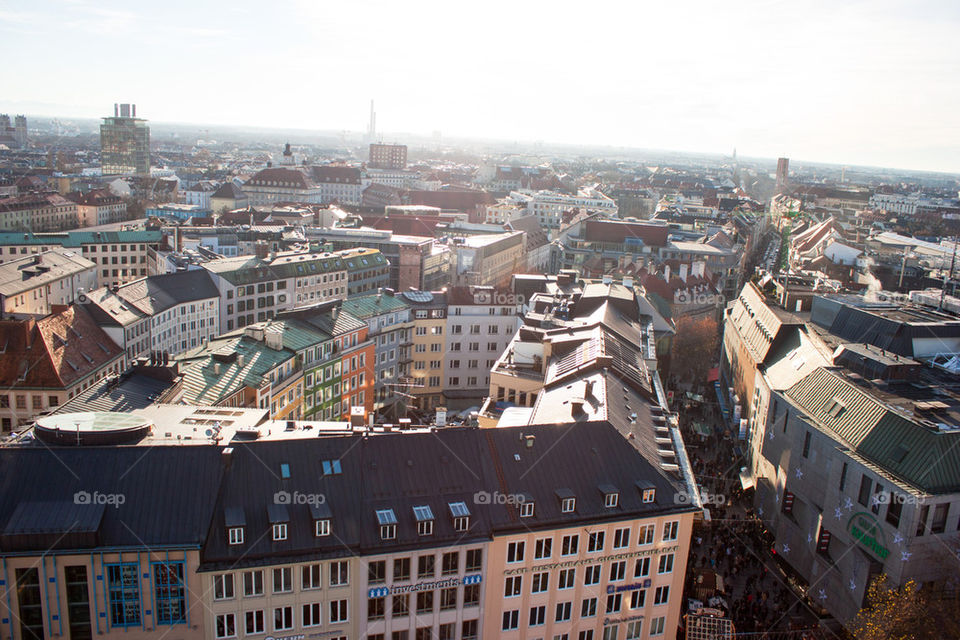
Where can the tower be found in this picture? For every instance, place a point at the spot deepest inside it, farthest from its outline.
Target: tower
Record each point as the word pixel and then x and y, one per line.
pixel 372 127
pixel 20 131
pixel 783 174
pixel 125 143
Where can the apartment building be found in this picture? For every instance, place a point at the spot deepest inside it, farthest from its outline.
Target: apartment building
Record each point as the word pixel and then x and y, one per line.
pixel 120 256
pixel 98 207
pixel 38 212
pixel 34 285
pixel 47 361
pixel 367 270
pixel 390 326
pixel 255 288
pixel 339 184
pixel 164 314
pixel 388 156
pixel 278 184
pixel 481 322
pixel 550 206
pixel 426 379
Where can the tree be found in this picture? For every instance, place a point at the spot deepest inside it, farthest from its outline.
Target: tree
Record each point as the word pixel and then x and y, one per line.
pixel 905 613
pixel 694 348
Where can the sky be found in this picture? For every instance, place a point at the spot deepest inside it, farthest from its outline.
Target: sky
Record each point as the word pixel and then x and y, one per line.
pixel 873 82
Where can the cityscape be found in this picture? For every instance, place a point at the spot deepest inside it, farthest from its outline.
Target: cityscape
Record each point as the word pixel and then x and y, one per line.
pixel 318 377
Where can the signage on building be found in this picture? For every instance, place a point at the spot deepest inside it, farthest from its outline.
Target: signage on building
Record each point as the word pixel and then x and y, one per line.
pixel 299 636
pixel 380 592
pixel 575 563
pixel 611 588
pixel 607 621
pixel 865 529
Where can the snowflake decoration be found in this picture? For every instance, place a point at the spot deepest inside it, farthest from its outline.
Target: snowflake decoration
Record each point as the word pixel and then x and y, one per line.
pixel 786 548
pixel 772 435
pixel 838 513
pixel 848 504
pixel 799 473
pixel 776 498
pixel 760 511
pixel 905 555
pixel 809 538
pixel 875 499
pixel 897 539
pixel 822 595
pixel 852 585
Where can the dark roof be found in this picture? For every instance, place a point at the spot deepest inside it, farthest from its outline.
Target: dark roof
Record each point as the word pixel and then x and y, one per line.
pixel 156 294
pixel 616 232
pixel 338 174
pixel 229 190
pixel 167 494
pixel 280 177
pixel 129 392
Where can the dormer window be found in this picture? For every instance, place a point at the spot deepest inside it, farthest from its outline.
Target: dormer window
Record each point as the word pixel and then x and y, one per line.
pixel 424 518
pixel 235 521
pixel 331 468
pixel 461 516
pixel 526 509
pixel 648 492
pixel 611 495
pixel 649 495
pixel 388 524
pixel 280 531
pixel 322 528
pixel 321 515
pixel 568 501
pixel 279 518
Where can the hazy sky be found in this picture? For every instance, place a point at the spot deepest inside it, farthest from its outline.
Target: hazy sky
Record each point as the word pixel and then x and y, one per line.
pixel 873 82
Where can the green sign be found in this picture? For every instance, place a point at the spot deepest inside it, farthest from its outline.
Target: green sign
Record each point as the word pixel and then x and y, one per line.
pixel 865 529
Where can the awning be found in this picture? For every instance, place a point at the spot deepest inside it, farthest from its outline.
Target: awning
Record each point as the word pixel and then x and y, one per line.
pixel 747 481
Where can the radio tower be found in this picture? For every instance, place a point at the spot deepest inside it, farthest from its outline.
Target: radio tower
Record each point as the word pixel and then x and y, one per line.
pixel 372 127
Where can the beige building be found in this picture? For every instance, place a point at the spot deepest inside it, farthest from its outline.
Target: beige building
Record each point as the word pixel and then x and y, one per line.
pixel 488 260
pixel 34 285
pixel 37 212
pixel 426 378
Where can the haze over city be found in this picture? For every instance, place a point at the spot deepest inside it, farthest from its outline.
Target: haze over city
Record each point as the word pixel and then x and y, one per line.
pixel 869 83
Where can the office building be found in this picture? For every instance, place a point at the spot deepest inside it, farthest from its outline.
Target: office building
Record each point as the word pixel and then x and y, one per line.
pixel 98 207
pixel 38 212
pixel 125 143
pixel 32 286
pixel 783 174
pixel 281 184
pixel 387 156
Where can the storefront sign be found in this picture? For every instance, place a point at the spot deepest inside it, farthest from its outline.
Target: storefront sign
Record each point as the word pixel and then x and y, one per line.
pixel 865 529
pixel 380 592
pixel 612 588
pixel 582 561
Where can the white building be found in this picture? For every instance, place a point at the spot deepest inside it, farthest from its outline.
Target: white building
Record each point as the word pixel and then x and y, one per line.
pixel 549 206
pixel 31 285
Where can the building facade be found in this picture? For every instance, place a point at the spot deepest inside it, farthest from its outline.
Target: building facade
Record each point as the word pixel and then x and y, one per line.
pixel 125 143
pixel 35 285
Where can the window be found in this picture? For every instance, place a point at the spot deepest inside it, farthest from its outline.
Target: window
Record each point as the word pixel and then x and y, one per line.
pixel 618 570
pixel 448 599
pixel 235 535
pixel 542 548
pixel 621 538
pixel 252 583
pixel 331 468
pixel 610 632
pixel 426 566
pixel 321 528
pixel 567 578
pixel 339 573
pixel 641 568
pixel 376 608
pixel 661 595
pixel 512 586
pixel 401 569
pixel 283 579
pixel 515 551
pixel 638 598
pixel 254 622
pixel 586 635
pixel 168 592
pixel 471 595
pixel 657 625
pixel 563 611
pixel 338 611
pixel 666 563
pixel 569 545
pixel 511 620
pixel 377 572
pixel 310 577
pixel 646 534
pixel 670 530
pixel 592 575
pixel 282 618
pixel 425 602
pixel 468 630
pixel 388 524
pixel 222 586
pixel 614 602
pixel 541 582
pixel 806 445
pixel 226 626
pixel 538 616
pixel 634 630
pixel 595 542
pixel 611 500
pixel 894 509
pixel 843 476
pixel 526 509
pixel 588 608
pixel 311 614
pixel 863 497
pixel 939 523
pixel 401 605
pixel 280 531
pixel 474 559
pixel 450 563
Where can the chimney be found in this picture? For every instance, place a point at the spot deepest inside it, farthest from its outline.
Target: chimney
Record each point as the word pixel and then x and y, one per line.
pixel 356 417
pixel 628 282
pixel 684 269
pixel 134 115
pixel 116 110
pixel 698 269
pixel 529 441
pixel 240 360
pixel 216 368
pixel 576 407
pixel 227 456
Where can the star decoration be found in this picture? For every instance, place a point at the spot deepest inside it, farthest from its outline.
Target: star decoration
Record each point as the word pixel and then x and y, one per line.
pixel 777 498
pixel 897 538
pixel 786 548
pixel 838 513
pixel 905 555
pixel 799 473
pixel 772 435
pixel 852 585
pixel 848 504
pixel 875 499
pixel 809 538
pixel 822 595
pixel 760 511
